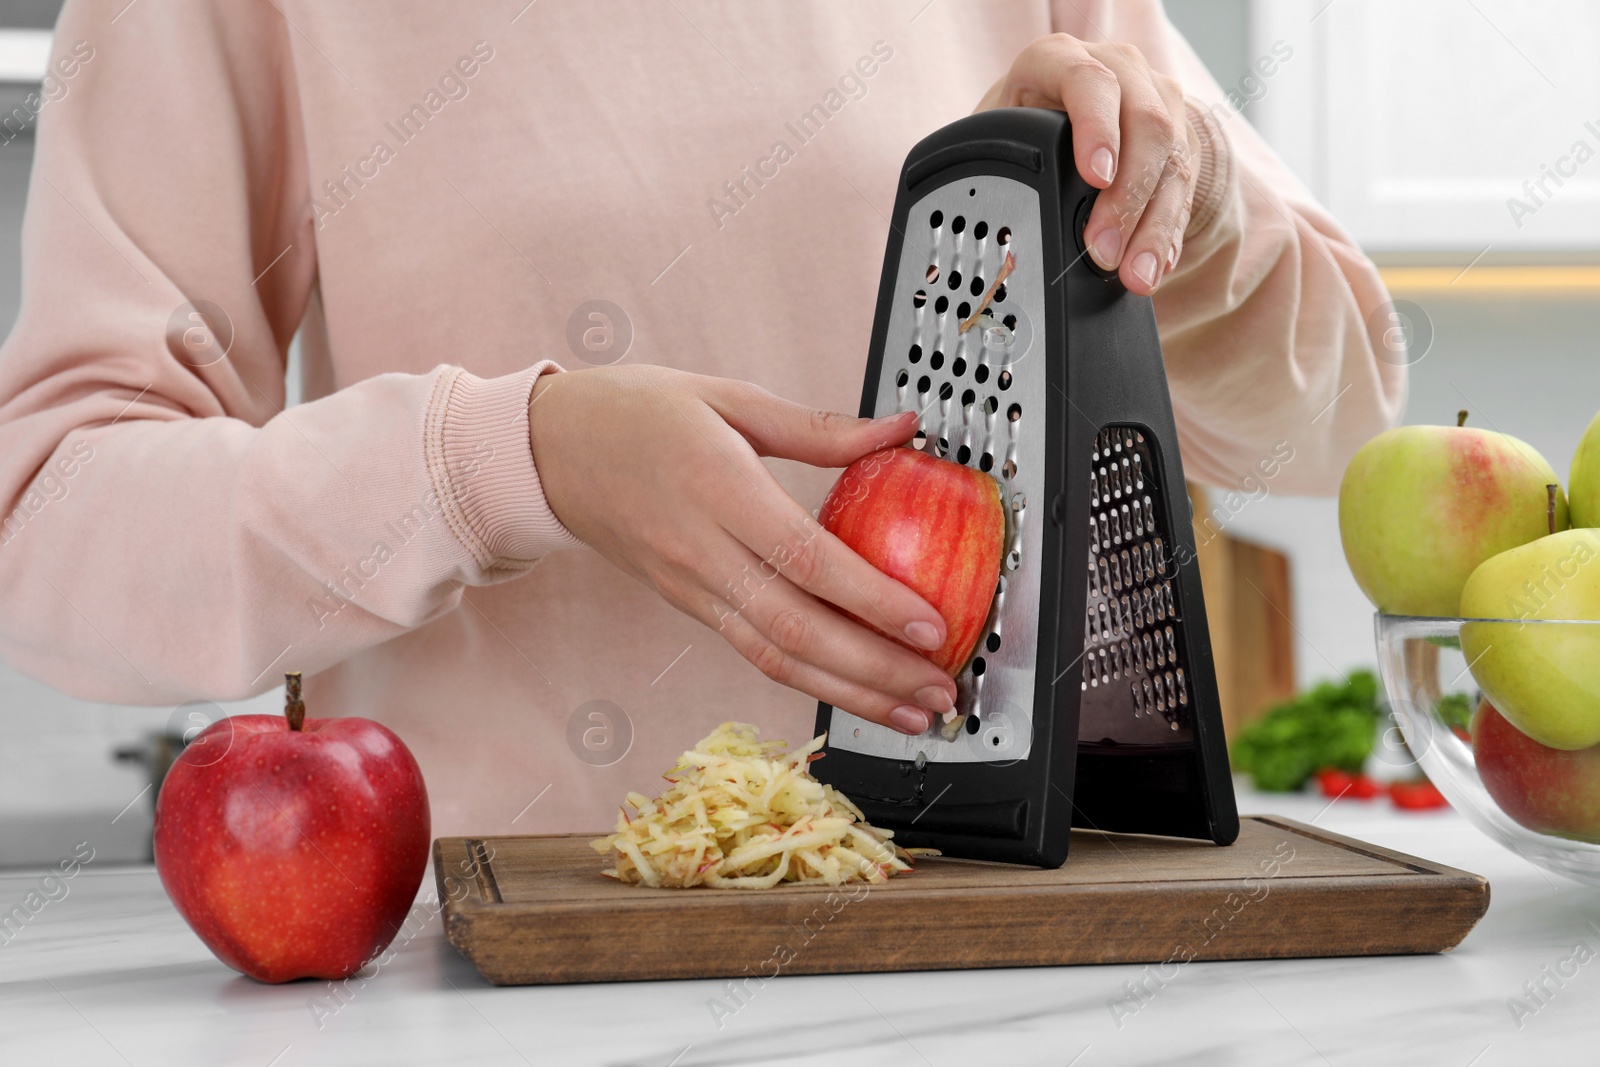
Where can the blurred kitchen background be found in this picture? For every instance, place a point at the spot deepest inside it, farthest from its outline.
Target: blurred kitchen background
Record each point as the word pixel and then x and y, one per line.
pixel 1414 123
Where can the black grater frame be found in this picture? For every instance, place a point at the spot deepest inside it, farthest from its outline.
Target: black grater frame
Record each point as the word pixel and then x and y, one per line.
pixel 1021 811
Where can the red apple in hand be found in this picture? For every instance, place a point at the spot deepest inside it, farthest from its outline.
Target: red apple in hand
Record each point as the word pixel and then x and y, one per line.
pixel 1550 790
pixel 292 846
pixel 935 526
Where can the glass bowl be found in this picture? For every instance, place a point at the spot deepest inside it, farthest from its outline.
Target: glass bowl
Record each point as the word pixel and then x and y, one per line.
pixel 1545 673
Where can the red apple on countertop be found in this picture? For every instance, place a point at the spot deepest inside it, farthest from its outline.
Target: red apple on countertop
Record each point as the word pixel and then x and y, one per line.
pixel 1549 790
pixel 293 847
pixel 935 526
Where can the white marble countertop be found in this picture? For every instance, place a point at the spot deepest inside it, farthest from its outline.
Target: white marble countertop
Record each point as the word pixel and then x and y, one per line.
pixel 110 974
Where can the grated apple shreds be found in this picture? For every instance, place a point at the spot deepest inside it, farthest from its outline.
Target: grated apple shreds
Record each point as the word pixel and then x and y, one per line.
pixel 743 814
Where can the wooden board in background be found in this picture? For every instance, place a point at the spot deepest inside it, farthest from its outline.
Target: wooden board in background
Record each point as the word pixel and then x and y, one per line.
pixel 1249 602
pixel 535 910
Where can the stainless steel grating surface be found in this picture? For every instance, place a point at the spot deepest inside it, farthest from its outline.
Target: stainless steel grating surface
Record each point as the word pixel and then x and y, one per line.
pixel 981 397
pixel 1136 677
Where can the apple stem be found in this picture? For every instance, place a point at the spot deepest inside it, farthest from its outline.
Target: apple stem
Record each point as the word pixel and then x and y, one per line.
pixel 294 709
pixel 1550 506
pixel 1461 417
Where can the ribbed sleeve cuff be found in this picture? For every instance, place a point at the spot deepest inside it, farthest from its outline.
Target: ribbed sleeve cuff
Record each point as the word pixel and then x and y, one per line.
pixel 1215 170
pixel 481 463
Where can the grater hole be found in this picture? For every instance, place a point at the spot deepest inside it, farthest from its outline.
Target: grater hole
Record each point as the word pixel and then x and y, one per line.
pixel 968 398
pixel 1014 412
pixel 1003 238
pixel 964 310
pixel 954 280
pixel 963 454
pixel 972 724
pixel 1004 381
pixel 972 192
pixel 924 383
pixel 959 367
pixel 986 462
pixel 1018 502
pixel 1010 322
pixel 991 405
pixel 993 643
pixel 919 439
pixel 936 219
pixel 901 379
pixel 999 294
pixel 915 355
pixel 946 391
pixel 981 230
pixel 1010 468
pixel 941 448
pixel 978 666
pixel 980 374
pixel 933 273
pixel 958 224
pixel 919 298
pixel 976 288
pixel 941 304
pixel 936 360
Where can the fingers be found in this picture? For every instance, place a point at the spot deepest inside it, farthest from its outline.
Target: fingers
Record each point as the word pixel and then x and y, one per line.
pixel 846 694
pixel 778 427
pixel 1062 72
pixel 788 540
pixel 1153 249
pixel 1151 139
pixel 806 630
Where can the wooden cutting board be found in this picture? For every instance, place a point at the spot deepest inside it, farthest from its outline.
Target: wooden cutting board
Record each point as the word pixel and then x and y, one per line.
pixel 536 910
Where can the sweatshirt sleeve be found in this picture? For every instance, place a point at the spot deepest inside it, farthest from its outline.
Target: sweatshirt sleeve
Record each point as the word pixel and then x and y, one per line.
pixel 168 531
pixel 1271 322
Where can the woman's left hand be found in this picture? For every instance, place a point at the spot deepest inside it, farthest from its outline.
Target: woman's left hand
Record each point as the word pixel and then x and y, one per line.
pixel 1130 137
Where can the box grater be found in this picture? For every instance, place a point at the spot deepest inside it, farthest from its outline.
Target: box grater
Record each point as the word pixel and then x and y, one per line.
pixel 1091 699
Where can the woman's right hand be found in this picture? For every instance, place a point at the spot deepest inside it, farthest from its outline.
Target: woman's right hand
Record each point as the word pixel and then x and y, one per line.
pixel 659 471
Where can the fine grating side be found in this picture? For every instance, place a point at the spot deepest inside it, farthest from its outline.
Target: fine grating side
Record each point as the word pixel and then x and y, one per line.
pixel 980 395
pixel 1136 675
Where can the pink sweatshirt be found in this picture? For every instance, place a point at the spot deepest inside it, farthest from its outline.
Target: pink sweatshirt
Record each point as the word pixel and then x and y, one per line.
pixel 426 193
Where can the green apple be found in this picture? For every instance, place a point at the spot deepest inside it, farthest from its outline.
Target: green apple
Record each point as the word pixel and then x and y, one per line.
pixel 1542 673
pixel 1421 506
pixel 1584 480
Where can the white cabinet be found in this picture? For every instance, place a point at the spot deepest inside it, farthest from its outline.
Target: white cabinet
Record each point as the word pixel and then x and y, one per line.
pixel 1441 125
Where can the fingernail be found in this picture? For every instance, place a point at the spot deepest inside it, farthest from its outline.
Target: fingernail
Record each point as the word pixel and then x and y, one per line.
pixel 1172 256
pixel 923 635
pixel 1107 246
pixel 1144 267
pixel 896 417
pixel 935 698
pixel 910 720
pixel 1103 165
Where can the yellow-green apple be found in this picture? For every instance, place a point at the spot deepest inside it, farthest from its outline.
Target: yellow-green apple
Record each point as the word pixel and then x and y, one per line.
pixel 1583 481
pixel 1421 506
pixel 293 847
pixel 1539 665
pixel 935 526
pixel 1550 790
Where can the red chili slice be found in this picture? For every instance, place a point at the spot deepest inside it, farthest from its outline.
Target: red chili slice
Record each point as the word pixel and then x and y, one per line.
pixel 1416 796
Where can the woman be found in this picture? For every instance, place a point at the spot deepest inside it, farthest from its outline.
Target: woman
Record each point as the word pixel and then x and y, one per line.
pixel 434 198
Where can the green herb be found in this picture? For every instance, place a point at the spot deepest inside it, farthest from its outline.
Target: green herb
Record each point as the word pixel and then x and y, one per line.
pixel 1331 725
pixel 1455 710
